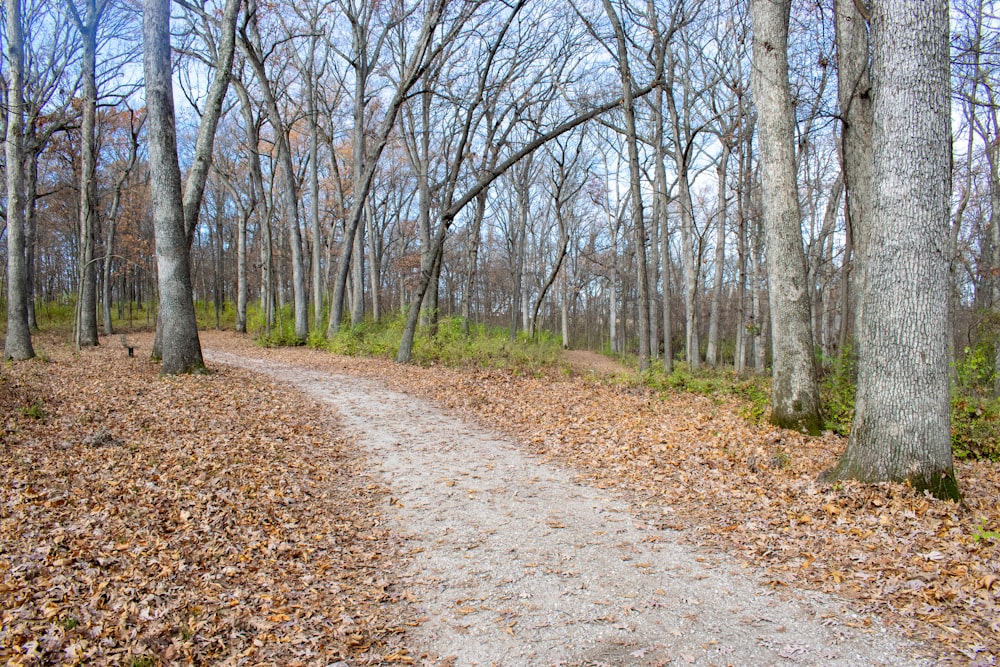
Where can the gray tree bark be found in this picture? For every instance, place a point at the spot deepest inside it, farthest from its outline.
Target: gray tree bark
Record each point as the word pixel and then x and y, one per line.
pixel 901 428
pixel 111 222
pixel 194 187
pixel 180 348
pixel 854 97
pixel 712 351
pixel 635 186
pixel 86 308
pixel 795 394
pixel 425 51
pixel 252 48
pixel 681 135
pixel 18 342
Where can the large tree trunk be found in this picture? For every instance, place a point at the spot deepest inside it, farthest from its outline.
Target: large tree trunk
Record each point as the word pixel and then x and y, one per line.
pixel 18 341
pixel 194 186
pixel 180 348
pixel 795 395
pixel 901 423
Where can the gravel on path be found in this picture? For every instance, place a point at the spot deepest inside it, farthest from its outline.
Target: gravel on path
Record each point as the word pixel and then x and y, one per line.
pixel 513 563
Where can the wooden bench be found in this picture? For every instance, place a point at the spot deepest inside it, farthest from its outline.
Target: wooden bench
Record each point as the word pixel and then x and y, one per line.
pixel 130 348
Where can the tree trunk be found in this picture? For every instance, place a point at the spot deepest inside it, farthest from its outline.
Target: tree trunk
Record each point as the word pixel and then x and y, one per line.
pixel 742 252
pixel 358 275
pixel 614 336
pixel 994 164
pixel 712 353
pixel 109 238
pixel 86 308
pixel 635 186
pixel 689 261
pixel 30 234
pixel 317 232
pixel 795 395
pixel 374 263
pixel 179 345
pixel 855 100
pixel 289 186
pixel 564 309
pixel 901 422
pixel 241 274
pixel 668 347
pixel 471 260
pixel 18 341
pixel 259 207
pixel 660 220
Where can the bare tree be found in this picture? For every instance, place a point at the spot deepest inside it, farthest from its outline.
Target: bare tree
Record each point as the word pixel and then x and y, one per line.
pixel 635 184
pixel 52 52
pixel 901 422
pixel 18 342
pixel 854 94
pixel 135 127
pixel 795 394
pixel 253 49
pixel 425 51
pixel 566 179
pixel 88 22
pixel 179 345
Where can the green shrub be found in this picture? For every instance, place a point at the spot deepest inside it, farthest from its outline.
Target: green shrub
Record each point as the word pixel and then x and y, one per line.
pixel 483 346
pixel 205 315
pixel 282 334
pixel 975 427
pixel 35 411
pixel 837 388
pixel 717 383
pixel 974 370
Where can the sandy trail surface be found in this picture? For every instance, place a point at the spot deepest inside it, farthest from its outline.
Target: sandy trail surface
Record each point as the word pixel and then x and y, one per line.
pixel 512 562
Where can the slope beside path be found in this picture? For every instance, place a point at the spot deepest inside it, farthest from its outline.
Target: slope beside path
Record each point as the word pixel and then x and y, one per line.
pixel 513 561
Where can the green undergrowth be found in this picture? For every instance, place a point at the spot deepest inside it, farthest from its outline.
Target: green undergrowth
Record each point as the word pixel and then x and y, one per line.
pixel 280 334
pixel 56 315
pixel 753 391
pixel 975 409
pixel 836 388
pixel 484 346
pixel 975 413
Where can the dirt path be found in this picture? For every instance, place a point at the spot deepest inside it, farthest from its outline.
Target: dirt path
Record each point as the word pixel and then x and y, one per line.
pixel 513 563
pixel 588 362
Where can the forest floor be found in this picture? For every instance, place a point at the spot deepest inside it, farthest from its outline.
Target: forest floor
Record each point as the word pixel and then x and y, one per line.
pixel 439 516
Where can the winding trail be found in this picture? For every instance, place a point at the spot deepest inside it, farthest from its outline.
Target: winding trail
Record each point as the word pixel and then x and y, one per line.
pixel 513 563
